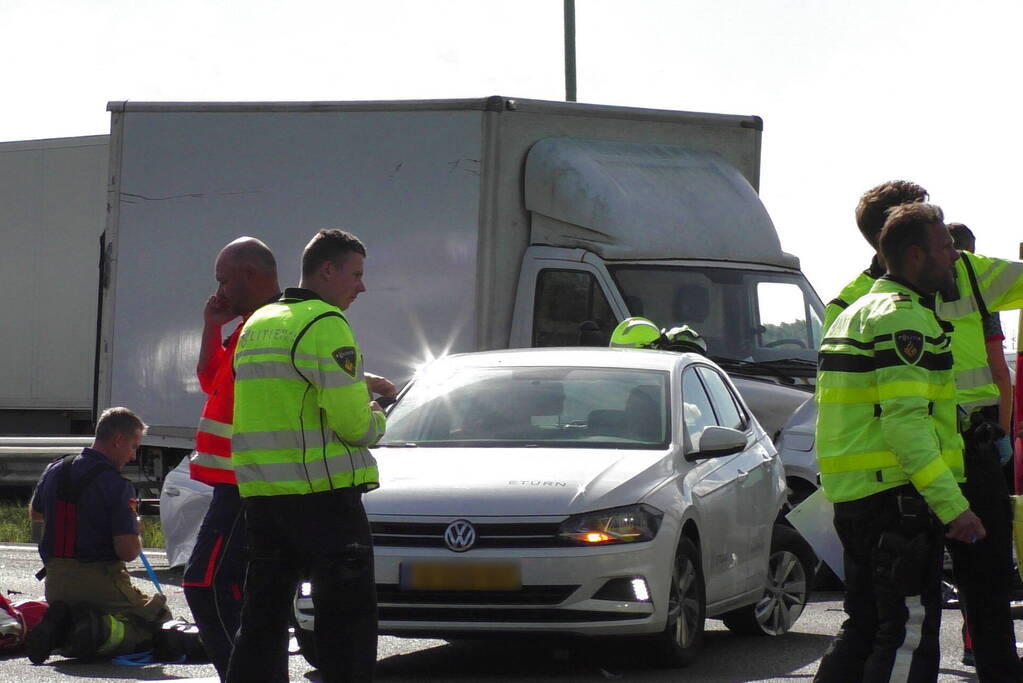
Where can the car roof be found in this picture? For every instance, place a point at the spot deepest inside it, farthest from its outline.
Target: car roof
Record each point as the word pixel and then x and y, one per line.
pixel 641 359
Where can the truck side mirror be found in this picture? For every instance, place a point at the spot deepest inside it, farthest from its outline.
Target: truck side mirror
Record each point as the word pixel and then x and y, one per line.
pixel 716 442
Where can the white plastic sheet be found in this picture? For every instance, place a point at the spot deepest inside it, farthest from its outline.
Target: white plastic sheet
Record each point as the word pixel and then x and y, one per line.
pixel 183 504
pixel 814 519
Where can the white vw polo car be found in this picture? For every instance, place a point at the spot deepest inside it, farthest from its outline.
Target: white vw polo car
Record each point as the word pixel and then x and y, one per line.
pixel 596 492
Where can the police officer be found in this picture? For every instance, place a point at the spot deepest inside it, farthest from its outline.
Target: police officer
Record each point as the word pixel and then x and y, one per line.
pixel 871 212
pixel 994 337
pixel 303 424
pixel 887 443
pixel 246 274
pixel 983 586
pixel 980 285
pixel 90 529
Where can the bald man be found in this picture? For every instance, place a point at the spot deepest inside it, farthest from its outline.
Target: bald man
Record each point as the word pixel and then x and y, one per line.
pixel 246 274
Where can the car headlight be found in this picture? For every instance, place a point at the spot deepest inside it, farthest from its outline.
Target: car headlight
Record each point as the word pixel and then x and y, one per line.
pixel 631 524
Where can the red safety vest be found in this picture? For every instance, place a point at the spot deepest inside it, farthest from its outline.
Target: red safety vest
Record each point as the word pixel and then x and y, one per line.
pixel 68 494
pixel 211 462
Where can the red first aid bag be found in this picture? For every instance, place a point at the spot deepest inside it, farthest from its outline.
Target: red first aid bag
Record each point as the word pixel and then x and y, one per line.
pixel 16 620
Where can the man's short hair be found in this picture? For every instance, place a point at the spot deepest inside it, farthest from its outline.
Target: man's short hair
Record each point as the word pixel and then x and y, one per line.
pixel 907 225
pixel 962 237
pixel 118 421
pixel 872 209
pixel 329 244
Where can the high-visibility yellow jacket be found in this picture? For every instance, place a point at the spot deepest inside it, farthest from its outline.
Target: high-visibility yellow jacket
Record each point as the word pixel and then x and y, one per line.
pixel 852 291
pixel 993 285
pixel 887 403
pixel 302 422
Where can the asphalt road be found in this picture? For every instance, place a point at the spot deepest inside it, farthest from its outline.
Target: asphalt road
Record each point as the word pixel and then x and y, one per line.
pixel 726 658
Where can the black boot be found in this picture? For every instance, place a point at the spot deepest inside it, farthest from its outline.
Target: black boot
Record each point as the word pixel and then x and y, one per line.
pixel 50 633
pixel 90 630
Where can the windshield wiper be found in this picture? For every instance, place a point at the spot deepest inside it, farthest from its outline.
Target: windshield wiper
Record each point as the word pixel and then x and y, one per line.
pixel 798 362
pixel 398 444
pixel 753 367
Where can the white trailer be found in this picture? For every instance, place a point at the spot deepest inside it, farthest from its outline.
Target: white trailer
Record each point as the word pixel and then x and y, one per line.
pixel 52 216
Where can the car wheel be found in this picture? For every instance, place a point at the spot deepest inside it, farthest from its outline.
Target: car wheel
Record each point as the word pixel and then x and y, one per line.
pixel 682 637
pixel 306 643
pixel 790 567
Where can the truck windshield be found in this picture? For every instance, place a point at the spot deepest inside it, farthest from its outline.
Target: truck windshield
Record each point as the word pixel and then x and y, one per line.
pixel 744 315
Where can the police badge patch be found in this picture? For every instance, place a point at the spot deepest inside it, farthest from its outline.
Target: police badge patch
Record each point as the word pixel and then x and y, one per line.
pixel 909 345
pixel 345 357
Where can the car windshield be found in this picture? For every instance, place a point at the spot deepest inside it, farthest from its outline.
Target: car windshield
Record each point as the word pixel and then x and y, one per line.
pixel 525 406
pixel 743 315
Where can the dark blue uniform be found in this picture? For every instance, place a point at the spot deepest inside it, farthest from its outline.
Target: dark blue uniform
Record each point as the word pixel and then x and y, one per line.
pixel 105 509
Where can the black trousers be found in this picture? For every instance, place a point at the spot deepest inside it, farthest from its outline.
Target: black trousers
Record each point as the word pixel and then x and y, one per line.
pixel 893 552
pixel 215 575
pixel 324 537
pixel 983 570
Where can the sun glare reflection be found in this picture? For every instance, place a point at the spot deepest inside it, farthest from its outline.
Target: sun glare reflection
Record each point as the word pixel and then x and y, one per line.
pixel 426 353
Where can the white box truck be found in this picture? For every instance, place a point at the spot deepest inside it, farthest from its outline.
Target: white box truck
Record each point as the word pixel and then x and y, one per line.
pixel 489 223
pixel 52 216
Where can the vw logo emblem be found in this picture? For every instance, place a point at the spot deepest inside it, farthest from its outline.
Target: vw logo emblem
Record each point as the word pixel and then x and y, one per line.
pixel 460 535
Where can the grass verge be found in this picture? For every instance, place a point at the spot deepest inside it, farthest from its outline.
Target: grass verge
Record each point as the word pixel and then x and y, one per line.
pixel 14 524
pixel 16 528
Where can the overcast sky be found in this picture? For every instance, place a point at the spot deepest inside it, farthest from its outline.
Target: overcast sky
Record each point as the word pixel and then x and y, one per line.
pixel 851 93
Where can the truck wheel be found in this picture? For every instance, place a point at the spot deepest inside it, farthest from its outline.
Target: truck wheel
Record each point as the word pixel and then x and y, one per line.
pixel 306 643
pixel 682 637
pixel 790 567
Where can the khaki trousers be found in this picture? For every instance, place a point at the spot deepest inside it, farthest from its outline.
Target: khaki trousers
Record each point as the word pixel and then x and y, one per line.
pixel 107 587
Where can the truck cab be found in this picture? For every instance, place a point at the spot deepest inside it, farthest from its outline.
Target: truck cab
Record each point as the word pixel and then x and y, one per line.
pixel 677 236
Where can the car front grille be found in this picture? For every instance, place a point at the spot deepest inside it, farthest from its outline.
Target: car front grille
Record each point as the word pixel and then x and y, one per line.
pixel 504 616
pixel 389 593
pixel 488 535
pixel 530 605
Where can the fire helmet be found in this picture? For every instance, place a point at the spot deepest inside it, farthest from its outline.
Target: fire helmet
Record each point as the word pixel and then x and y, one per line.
pixel 685 338
pixel 636 333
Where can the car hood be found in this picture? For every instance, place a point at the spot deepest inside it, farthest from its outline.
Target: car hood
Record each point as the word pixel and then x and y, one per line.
pixel 512 481
pixel 771 403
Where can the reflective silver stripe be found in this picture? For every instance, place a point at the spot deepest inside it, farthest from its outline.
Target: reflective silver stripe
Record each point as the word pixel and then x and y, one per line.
pixel 953 310
pixel 973 378
pixel 280 440
pixel 267 350
pixel 311 470
pixel 268 369
pixel 914 633
pixel 311 358
pixel 333 378
pixel 970 406
pixel 213 462
pixel 1001 283
pixel 373 431
pixel 215 427
pixel 324 376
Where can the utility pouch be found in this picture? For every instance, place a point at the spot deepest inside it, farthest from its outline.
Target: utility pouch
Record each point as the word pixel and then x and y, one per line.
pixel 901 561
pixel 915 517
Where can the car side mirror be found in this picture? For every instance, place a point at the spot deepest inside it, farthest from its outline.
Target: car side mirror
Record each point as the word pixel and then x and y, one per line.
pixel 716 442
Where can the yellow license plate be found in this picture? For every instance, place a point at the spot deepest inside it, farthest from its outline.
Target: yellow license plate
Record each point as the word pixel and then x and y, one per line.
pixel 460 576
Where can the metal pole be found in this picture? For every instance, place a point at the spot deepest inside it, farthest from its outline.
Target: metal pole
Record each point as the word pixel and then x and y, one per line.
pixel 570 50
